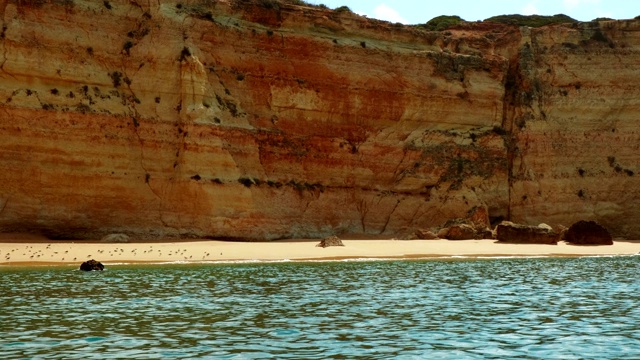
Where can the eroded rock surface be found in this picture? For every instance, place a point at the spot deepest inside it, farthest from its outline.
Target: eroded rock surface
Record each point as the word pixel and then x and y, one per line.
pixel 461 232
pixel 116 238
pixel 236 120
pixel 524 234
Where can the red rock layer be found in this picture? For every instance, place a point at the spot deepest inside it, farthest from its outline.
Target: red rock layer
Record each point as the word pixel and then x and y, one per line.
pixel 243 120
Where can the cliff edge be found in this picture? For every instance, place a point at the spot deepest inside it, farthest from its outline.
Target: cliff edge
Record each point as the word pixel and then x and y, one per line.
pixel 260 120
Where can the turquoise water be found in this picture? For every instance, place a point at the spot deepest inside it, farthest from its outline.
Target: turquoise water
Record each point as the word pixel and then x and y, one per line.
pixel 579 308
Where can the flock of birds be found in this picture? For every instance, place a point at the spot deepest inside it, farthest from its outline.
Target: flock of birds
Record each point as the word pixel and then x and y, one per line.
pixel 28 253
pixel 33 254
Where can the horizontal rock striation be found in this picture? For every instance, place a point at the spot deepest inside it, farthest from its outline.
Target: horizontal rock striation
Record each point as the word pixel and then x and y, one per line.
pixel 249 120
pixel 576 137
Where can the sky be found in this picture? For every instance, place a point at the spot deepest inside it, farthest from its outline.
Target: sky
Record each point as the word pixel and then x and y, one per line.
pixel 421 11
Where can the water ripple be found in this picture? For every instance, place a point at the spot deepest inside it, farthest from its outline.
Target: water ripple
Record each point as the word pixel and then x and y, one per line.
pixel 581 308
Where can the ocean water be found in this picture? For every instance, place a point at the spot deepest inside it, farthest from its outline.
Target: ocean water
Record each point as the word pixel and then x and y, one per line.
pixel 536 308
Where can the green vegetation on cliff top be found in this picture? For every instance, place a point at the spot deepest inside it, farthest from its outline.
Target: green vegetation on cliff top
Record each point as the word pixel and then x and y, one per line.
pixel 531 20
pixel 440 23
pixel 443 22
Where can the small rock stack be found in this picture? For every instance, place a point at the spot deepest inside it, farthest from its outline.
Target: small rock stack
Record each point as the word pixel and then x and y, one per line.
pixel 91 265
pixel 330 241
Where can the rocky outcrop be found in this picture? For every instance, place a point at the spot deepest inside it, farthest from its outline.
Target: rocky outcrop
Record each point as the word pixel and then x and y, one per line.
pixel 237 120
pixel 330 241
pixel 422 234
pixel 486 234
pixel 588 233
pixel 524 234
pixel 461 232
pixel 91 265
pixel 475 225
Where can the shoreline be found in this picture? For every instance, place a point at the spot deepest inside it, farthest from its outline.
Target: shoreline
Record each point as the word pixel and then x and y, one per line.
pixel 43 252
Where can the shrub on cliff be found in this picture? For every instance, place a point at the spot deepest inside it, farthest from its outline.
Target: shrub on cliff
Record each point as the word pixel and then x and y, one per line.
pixel 343 9
pixel 297 2
pixel 442 22
pixel 531 20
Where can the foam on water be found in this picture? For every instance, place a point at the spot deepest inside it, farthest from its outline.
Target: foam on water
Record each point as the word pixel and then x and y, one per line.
pixel 359 259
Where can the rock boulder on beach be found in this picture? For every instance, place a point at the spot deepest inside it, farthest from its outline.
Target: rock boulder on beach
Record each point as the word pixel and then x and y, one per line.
pixel 588 233
pixel 442 233
pixel 485 233
pixel 425 235
pixel 461 232
pixel 330 241
pixel 525 234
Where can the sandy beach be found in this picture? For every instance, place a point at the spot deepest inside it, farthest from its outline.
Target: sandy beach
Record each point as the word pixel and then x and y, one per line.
pixel 26 250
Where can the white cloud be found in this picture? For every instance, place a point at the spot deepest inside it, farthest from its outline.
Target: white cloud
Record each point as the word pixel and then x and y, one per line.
pixel 572 4
pixel 530 9
pixel 384 12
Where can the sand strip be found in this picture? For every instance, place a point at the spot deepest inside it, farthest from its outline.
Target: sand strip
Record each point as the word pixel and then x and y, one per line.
pixel 29 252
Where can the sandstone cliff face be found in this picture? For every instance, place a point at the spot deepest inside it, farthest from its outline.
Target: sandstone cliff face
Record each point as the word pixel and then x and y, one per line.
pixel 576 129
pixel 242 120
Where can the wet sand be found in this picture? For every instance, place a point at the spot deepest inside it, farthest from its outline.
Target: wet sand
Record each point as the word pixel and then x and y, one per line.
pixel 26 250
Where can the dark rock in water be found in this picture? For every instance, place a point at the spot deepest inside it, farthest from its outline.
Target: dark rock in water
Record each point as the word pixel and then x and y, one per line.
pixel 330 241
pixel 461 232
pixel 525 234
pixel 588 233
pixel 91 265
pixel 425 235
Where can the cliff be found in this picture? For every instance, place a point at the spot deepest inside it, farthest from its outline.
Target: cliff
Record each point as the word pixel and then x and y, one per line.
pixel 259 120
